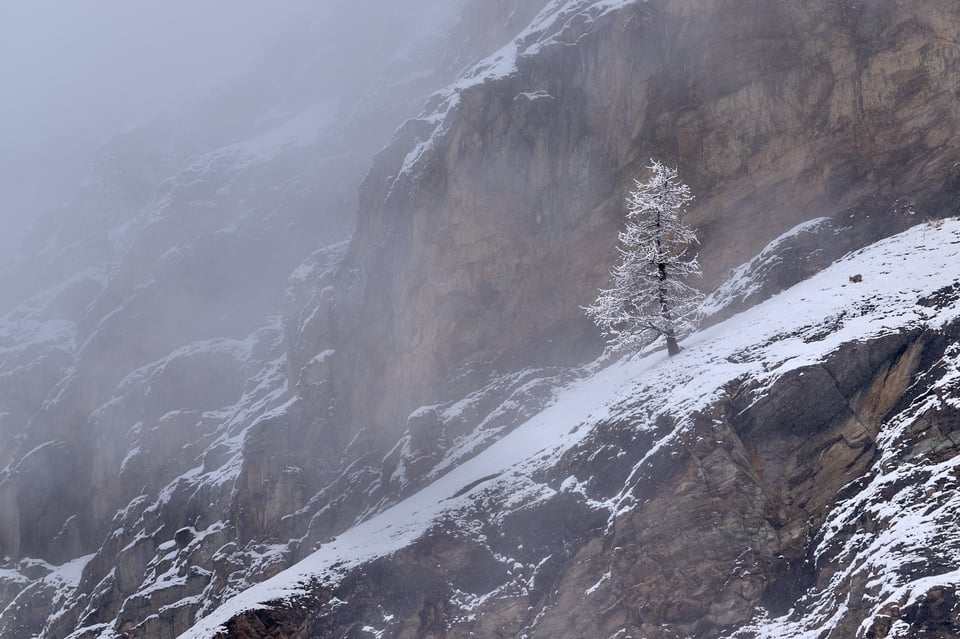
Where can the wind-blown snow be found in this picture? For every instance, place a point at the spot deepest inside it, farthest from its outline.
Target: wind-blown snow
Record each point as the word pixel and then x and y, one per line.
pixel 796 328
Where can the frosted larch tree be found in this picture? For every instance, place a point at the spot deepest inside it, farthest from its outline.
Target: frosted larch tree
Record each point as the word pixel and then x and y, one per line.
pixel 650 296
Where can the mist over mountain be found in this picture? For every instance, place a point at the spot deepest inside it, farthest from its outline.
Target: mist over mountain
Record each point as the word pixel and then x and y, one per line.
pixel 76 74
pixel 293 342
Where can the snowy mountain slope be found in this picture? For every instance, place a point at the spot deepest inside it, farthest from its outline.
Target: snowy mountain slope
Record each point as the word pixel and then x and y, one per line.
pixel 144 384
pixel 910 284
pixel 156 412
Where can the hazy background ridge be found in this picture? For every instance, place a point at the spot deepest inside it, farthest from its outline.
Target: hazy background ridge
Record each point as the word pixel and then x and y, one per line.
pixel 75 73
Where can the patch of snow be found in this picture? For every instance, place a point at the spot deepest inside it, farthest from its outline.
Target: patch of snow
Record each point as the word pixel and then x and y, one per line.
pixel 534 95
pixel 604 577
pixel 131 454
pixel 322 356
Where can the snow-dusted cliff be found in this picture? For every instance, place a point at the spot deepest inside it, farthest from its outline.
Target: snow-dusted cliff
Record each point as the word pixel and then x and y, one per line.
pixel 863 377
pixel 233 392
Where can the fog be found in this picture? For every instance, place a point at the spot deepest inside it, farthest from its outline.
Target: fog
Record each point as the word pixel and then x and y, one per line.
pixel 74 73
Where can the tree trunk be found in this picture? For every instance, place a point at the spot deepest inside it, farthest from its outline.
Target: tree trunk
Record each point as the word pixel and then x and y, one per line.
pixel 672 347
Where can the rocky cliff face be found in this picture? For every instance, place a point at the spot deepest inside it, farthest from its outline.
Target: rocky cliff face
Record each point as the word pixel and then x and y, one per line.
pixel 177 428
pixel 142 336
pixel 486 225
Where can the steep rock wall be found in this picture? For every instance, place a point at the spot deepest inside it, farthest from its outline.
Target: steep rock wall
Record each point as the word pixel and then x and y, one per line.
pixel 484 227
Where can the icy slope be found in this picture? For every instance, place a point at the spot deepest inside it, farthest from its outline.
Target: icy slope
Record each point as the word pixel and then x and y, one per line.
pixel 796 329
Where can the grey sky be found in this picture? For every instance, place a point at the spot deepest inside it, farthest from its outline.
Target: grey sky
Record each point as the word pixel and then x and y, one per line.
pixel 75 71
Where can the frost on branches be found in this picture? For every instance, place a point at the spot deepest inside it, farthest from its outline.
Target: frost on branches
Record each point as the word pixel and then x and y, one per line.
pixel 650 296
